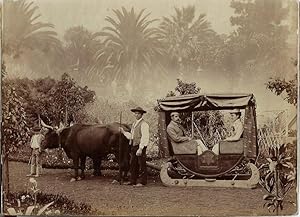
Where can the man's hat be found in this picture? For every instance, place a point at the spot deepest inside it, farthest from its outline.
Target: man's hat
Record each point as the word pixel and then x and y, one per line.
pixel 234 111
pixel 174 113
pixel 138 109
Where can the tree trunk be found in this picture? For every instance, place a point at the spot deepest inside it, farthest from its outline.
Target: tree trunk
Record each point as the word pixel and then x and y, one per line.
pixel 163 144
pixel 5 174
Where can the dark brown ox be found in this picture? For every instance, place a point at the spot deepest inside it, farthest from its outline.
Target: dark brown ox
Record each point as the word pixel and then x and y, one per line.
pixel 94 141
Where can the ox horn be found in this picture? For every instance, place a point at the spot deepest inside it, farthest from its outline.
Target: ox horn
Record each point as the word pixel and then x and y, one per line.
pixel 60 128
pixel 45 125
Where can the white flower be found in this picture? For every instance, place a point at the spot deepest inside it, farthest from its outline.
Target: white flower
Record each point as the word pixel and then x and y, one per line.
pixel 23 197
pixel 272 166
pixel 34 183
pixel 32 180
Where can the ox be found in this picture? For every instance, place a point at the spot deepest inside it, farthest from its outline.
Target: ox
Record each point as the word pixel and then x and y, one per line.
pixel 95 141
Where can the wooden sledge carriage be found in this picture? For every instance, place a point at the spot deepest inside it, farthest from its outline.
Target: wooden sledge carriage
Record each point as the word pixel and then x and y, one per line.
pixel 233 167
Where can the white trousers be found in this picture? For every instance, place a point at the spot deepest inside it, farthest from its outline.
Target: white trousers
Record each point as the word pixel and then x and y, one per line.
pixel 202 148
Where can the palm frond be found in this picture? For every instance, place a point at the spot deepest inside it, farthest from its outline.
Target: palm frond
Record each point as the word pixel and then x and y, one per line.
pixel 22 30
pixel 130 44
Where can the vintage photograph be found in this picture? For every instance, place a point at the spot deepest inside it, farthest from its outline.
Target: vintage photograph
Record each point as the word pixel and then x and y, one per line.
pixel 157 108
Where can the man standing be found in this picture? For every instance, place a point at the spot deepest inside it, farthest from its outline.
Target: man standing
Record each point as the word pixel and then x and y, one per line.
pixel 35 144
pixel 139 139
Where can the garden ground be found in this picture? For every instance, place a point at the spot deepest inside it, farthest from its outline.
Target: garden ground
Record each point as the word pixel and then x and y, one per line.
pixel 154 199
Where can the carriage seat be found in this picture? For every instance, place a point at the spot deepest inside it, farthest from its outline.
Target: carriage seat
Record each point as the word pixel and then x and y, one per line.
pixel 184 147
pixel 227 147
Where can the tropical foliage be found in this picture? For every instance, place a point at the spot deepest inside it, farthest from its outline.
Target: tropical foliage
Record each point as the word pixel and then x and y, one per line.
pixel 184 88
pixel 80 48
pixel 22 30
pixel 261 35
pixel 69 98
pixel 131 49
pixel 278 177
pixel 56 100
pixel 131 46
pixel 189 40
pixel 14 125
pixel 289 89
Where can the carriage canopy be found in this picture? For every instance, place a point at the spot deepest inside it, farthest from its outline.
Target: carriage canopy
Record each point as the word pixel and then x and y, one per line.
pixel 205 102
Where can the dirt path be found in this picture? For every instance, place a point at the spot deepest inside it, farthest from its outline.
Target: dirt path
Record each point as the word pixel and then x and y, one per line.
pixel 155 199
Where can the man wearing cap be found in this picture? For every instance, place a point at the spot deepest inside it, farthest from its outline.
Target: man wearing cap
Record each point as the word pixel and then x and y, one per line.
pixel 139 139
pixel 237 130
pixel 181 143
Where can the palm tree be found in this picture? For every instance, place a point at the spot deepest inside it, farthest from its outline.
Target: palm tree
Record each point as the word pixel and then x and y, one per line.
pixel 132 49
pixel 21 30
pixel 80 48
pixel 186 39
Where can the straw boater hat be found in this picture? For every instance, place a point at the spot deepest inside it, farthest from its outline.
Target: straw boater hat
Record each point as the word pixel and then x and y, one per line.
pixel 174 113
pixel 138 109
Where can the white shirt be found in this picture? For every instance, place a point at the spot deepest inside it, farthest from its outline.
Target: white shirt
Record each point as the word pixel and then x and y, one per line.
pixel 36 141
pixel 238 130
pixel 144 130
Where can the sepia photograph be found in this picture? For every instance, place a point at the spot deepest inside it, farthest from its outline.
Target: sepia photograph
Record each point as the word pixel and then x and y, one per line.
pixel 149 108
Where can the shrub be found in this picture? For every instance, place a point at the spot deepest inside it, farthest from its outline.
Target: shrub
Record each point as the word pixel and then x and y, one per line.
pixel 61 203
pixel 34 208
pixel 278 177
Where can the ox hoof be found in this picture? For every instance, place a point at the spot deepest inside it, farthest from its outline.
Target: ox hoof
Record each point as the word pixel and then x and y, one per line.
pixel 79 179
pixel 114 182
pixel 73 180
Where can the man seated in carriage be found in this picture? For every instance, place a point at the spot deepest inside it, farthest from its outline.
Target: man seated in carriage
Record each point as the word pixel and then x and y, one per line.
pixel 181 143
pixel 185 145
pixel 237 130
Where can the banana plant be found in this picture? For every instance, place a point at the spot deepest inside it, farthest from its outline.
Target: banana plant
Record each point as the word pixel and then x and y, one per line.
pixel 29 211
pixel 278 177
